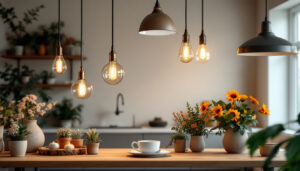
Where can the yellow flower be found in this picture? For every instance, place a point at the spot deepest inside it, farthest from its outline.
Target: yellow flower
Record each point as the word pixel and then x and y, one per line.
pixel 232 96
pixel 264 110
pixel 254 100
pixel 235 113
pixel 245 111
pixel 243 97
pixel 218 111
pixel 204 107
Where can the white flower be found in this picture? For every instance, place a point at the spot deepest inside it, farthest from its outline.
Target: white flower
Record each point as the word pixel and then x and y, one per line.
pixel 42 113
pixel 13 130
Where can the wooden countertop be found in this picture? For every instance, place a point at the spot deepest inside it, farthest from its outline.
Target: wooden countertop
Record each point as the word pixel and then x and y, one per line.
pixel 210 158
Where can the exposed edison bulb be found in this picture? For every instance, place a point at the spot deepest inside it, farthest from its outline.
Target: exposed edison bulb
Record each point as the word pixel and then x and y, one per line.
pixel 59 65
pixel 202 54
pixel 186 53
pixel 113 73
pixel 81 88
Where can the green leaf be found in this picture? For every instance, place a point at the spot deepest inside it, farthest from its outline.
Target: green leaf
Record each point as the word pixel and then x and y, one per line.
pixel 293 150
pixel 260 138
pixel 298 120
pixel 273 154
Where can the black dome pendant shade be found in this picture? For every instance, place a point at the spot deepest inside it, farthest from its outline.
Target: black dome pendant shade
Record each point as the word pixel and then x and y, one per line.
pixel 157 23
pixel 266 43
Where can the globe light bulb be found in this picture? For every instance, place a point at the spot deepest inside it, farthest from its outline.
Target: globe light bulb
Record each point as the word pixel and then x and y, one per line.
pixel 59 65
pixel 202 54
pixel 113 73
pixel 81 88
pixel 186 53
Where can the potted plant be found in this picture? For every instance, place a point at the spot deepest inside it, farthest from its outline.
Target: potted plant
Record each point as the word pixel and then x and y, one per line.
pixel 26 74
pixel 77 140
pixel 235 118
pixel 46 77
pixel 31 110
pixel 93 141
pixel 179 138
pixel 66 113
pixel 63 137
pixel 17 142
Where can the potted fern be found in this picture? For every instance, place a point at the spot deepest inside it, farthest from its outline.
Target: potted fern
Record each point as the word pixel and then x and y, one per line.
pixel 77 140
pixel 93 141
pixel 64 137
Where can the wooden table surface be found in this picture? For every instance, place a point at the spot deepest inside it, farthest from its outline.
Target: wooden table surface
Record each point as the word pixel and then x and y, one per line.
pixel 210 158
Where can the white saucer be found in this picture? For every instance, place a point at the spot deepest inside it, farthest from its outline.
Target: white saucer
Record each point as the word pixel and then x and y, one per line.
pixel 160 153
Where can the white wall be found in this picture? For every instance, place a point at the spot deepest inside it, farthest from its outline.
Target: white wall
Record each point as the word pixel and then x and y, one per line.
pixel 156 82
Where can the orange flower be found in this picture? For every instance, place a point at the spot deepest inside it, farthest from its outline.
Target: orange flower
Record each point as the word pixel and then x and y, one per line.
pixel 254 100
pixel 181 111
pixel 245 111
pixel 232 106
pixel 238 123
pixel 194 125
pixel 254 117
pixel 218 111
pixel 243 97
pixel 264 110
pixel 183 123
pixel 188 111
pixel 235 113
pixel 232 96
pixel 204 107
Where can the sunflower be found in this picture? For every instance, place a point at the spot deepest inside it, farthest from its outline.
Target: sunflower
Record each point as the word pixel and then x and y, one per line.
pixel 204 107
pixel 254 100
pixel 243 97
pixel 232 96
pixel 218 111
pixel 235 113
pixel 264 110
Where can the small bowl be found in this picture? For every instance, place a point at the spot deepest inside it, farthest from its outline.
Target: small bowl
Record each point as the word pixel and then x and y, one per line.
pixel 266 149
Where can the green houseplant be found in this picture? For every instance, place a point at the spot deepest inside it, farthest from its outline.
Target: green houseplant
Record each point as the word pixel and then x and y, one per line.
pixel 179 138
pixel 17 139
pixel 93 141
pixel 77 140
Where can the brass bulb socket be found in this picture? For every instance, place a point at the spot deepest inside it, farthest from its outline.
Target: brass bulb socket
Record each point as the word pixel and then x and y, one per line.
pixel 81 74
pixel 112 56
pixel 202 38
pixel 185 37
pixel 59 50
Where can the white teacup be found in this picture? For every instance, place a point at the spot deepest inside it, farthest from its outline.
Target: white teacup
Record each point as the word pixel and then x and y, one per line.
pixel 146 146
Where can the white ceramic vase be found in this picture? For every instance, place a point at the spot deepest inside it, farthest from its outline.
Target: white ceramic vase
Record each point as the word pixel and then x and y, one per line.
pixel 234 142
pixel 66 123
pixel 197 144
pixel 92 148
pixel 19 50
pixel 36 138
pixel 17 148
pixel 2 147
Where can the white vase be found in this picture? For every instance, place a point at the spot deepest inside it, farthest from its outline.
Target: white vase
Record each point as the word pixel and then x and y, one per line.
pixel 17 148
pixel 51 80
pixel 234 142
pixel 36 138
pixel 19 50
pixel 197 144
pixel 26 79
pixel 92 148
pixel 2 147
pixel 66 123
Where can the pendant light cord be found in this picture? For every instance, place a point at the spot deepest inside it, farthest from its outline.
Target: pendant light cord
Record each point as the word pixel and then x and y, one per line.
pixel 58 24
pixel 202 15
pixel 112 25
pixel 185 12
pixel 266 10
pixel 81 24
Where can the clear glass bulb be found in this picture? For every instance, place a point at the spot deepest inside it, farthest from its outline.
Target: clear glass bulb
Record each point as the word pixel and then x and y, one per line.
pixel 59 65
pixel 82 89
pixel 186 53
pixel 202 54
pixel 113 73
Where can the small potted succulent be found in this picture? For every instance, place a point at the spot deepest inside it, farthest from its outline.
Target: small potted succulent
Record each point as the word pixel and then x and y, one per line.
pixel 93 141
pixel 64 137
pixel 179 140
pixel 77 140
pixel 17 142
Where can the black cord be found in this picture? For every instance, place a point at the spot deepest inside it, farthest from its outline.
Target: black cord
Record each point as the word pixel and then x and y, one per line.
pixel 58 24
pixel 81 23
pixel 267 7
pixel 185 14
pixel 112 25
pixel 202 15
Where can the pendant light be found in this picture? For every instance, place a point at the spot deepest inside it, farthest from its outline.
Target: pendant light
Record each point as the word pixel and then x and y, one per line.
pixel 81 88
pixel 266 43
pixel 202 54
pixel 59 65
pixel 157 23
pixel 112 72
pixel 186 53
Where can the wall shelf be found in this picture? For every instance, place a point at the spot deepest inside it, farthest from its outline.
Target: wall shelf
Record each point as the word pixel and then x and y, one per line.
pixel 45 85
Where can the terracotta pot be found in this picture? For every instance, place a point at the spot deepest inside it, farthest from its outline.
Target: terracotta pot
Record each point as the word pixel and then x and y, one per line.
pixel 63 141
pixel 36 138
pixel 234 142
pixel 78 143
pixel 266 149
pixel 197 144
pixel 179 145
pixel 92 148
pixel 17 148
pixel 2 147
pixel 42 50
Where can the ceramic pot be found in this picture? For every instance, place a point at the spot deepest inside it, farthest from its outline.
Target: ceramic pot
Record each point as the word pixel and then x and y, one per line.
pixel 197 144
pixel 92 148
pixel 2 147
pixel 42 50
pixel 266 149
pixel 63 141
pixel 36 138
pixel 51 80
pixel 179 145
pixel 19 50
pixel 78 143
pixel 66 123
pixel 234 142
pixel 26 79
pixel 17 148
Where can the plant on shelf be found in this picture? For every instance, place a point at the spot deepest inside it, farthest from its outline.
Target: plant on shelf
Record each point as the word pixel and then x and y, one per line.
pixel 292 148
pixel 26 74
pixel 46 77
pixel 67 113
pixel 93 141
pixel 235 117
pixel 64 137
pixel 77 140
pixel 72 46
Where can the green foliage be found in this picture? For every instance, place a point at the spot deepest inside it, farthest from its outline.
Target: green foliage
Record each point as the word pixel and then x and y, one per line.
pixel 292 149
pixel 92 136
pixel 66 111
pixel 177 136
pixel 21 133
pixel 45 75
